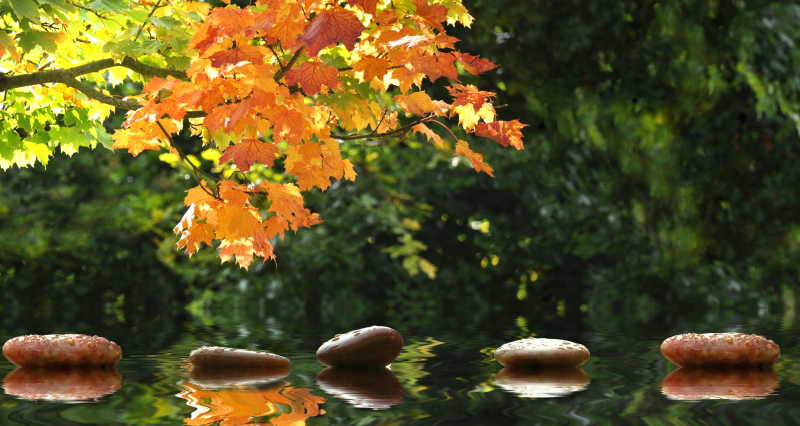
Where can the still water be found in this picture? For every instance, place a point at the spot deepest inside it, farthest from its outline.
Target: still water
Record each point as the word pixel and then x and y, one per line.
pixel 450 378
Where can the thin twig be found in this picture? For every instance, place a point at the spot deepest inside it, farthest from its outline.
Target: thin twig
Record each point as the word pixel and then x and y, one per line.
pixel 197 171
pixel 146 20
pixel 277 57
pixel 455 138
pixel 284 70
pixel 375 134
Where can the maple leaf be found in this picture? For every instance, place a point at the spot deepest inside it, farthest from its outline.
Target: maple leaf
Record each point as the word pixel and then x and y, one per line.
pixel 248 53
pixel 241 249
pixel 469 94
pixel 249 151
pixel 504 132
pixel 235 221
pixel 372 67
pixel 435 66
pixel 135 143
pixel 287 203
pixel 193 238
pixel 476 159
pixel 233 193
pixel 433 14
pixel 368 6
pixel 332 26
pixel 437 140
pixel 312 75
pixel 475 65
pixel 468 116
pixel 199 194
pixel 417 103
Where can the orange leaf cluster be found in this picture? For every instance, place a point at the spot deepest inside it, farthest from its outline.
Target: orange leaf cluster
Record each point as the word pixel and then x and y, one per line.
pixel 270 90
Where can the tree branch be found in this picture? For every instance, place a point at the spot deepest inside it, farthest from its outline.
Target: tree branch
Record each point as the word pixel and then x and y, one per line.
pixel 58 76
pixel 374 134
pixel 284 70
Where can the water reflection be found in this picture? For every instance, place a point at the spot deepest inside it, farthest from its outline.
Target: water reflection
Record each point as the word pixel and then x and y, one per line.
pixel 374 388
pixel 220 378
pixel 725 383
pixel 276 404
pixel 542 382
pixel 62 384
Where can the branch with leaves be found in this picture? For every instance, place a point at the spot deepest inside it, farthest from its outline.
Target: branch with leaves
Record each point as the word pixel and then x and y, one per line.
pixel 280 84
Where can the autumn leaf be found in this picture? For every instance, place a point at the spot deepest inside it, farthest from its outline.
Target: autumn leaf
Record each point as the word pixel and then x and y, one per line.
pixel 248 53
pixel 372 67
pixel 333 26
pixel 433 14
pixel 368 6
pixel 417 103
pixel 436 66
pixel 474 64
pixel 198 194
pixel 193 238
pixel 312 75
pixel 236 222
pixel 249 151
pixel 233 193
pixel 469 94
pixel 504 132
pixel 476 159
pixel 437 140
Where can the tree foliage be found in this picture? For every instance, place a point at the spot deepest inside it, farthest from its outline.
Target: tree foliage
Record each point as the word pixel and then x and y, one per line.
pixel 269 91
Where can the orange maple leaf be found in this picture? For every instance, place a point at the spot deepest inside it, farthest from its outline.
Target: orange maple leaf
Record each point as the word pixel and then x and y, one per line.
pixel 233 193
pixel 332 26
pixel 193 238
pixel 249 151
pixel 372 67
pixel 437 140
pixel 312 75
pixel 368 6
pixel 252 54
pixel 199 194
pixel 416 103
pixel 234 222
pixel 435 66
pixel 433 14
pixel 476 159
pixel 469 94
pixel 504 132
pixel 475 65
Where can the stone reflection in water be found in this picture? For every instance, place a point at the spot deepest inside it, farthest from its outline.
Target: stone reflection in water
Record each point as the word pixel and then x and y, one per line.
pixel 62 384
pixel 221 378
pixel 375 388
pixel 693 384
pixel 542 382
pixel 279 403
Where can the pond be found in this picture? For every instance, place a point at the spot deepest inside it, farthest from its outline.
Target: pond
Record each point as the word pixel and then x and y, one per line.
pixel 449 377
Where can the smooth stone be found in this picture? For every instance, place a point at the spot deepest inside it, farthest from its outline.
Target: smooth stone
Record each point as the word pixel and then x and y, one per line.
pixel 62 384
pixel 541 352
pixel 62 350
pixel 720 349
pixel 222 357
pixel 552 382
pixel 375 346
pixel 734 383
pixel 375 388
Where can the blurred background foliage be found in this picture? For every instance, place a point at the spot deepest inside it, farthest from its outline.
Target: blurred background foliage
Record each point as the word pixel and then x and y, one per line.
pixel 660 172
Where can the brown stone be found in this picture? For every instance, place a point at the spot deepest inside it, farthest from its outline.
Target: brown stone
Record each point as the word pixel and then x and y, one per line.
pixel 541 352
pixel 375 346
pixel 221 357
pixel 720 349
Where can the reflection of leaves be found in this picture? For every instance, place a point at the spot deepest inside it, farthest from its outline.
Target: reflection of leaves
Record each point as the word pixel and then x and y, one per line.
pixel 410 367
pixel 285 405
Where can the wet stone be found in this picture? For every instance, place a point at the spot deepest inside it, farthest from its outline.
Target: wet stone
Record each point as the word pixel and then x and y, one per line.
pixel 374 346
pixel 62 350
pixel 541 352
pixel 720 350
pixel 222 357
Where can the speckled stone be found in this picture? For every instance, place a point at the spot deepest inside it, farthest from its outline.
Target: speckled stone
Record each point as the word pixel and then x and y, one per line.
pixel 720 349
pixel 541 352
pixel 62 350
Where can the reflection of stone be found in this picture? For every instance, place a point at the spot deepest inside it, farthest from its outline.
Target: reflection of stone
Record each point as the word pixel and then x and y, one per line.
pixel 216 378
pixel 719 383
pixel 375 388
pixel 62 384
pixel 285 405
pixel 542 382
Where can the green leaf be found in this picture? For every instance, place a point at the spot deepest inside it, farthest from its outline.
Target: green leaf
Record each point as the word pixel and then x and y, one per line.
pixel 26 8
pixel 114 6
pixel 32 38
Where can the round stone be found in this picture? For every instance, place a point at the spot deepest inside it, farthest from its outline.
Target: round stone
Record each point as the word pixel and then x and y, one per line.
pixel 62 384
pixel 541 352
pixel 62 350
pixel 375 388
pixel 550 382
pixel 375 346
pixel 736 383
pixel 720 349
pixel 222 357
